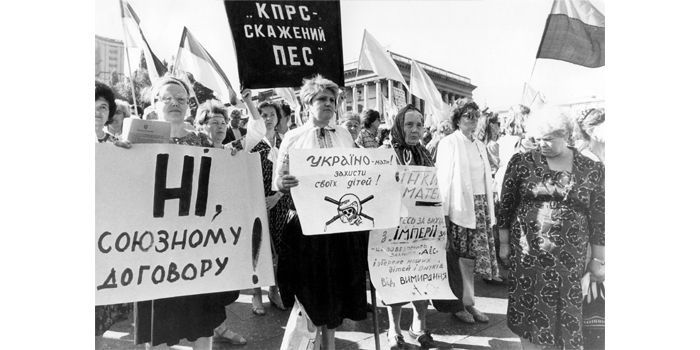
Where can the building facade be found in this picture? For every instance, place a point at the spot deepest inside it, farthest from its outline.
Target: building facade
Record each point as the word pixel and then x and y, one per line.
pixel 109 58
pixel 365 90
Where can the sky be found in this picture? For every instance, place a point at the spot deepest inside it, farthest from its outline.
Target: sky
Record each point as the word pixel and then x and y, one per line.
pixel 492 42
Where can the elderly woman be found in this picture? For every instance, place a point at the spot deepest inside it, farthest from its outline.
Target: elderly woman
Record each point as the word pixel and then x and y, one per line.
pixel 552 209
pixel 328 271
pixel 591 142
pixel 105 108
pixel 193 317
pixel 464 177
pixel 368 136
pixel 212 120
pixel 351 123
pixel 405 140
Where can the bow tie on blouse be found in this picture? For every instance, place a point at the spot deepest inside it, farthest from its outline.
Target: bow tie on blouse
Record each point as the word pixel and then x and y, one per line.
pixel 322 131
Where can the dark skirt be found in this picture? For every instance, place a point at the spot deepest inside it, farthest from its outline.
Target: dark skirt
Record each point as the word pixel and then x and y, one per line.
pixel 326 273
pixel 187 317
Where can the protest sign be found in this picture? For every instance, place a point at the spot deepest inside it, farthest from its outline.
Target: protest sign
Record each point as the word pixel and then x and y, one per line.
pixel 409 262
pixel 174 220
pixel 278 43
pixel 399 97
pixel 345 189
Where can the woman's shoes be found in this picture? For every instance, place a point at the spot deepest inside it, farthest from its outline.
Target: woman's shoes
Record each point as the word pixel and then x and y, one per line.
pixel 464 316
pixel 258 307
pixel 275 299
pixel 424 339
pixel 397 342
pixel 478 315
pixel 223 334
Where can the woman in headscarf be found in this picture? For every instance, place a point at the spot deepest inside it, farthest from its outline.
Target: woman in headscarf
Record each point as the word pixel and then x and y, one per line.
pixel 327 272
pixel 405 140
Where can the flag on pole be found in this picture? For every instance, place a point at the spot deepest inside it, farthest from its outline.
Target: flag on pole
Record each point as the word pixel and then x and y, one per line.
pixel 192 57
pixel 133 37
pixel 422 86
pixel 575 33
pixel 377 59
pixel 532 98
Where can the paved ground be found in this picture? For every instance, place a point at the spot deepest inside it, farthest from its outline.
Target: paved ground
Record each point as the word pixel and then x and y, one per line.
pixel 265 332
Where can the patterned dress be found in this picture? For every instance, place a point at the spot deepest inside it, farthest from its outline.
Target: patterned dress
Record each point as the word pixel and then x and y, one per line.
pixel 552 217
pixel 279 213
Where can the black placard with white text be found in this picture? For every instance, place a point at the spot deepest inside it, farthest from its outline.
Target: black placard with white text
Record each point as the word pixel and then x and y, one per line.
pixel 279 43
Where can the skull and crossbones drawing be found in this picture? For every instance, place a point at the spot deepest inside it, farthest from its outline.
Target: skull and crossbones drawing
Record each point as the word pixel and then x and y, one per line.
pixel 349 208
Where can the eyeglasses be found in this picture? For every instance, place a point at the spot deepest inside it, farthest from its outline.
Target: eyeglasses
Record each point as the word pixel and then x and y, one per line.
pixel 170 99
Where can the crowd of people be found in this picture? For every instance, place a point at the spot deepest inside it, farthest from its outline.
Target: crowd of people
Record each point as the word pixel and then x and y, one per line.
pixel 523 196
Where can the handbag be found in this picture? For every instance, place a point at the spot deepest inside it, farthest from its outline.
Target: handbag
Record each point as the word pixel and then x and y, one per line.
pixel 594 317
pixel 300 333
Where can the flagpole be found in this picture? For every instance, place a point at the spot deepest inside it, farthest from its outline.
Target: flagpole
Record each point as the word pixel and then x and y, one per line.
pixel 133 87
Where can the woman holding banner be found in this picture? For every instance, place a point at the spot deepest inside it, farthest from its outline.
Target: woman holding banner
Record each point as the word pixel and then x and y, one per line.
pixel 326 272
pixel 192 317
pixel 466 187
pixel 405 140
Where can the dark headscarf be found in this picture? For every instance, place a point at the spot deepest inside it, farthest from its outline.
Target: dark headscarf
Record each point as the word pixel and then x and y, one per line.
pixel 407 154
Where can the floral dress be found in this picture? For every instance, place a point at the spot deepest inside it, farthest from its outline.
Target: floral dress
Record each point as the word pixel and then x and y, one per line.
pixel 552 217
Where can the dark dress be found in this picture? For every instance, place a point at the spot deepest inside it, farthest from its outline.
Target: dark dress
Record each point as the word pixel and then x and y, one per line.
pixel 278 215
pixel 326 273
pixel 552 217
pixel 189 317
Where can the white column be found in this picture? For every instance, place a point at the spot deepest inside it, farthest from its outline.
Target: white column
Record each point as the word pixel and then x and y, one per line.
pixel 390 90
pixel 377 95
pixel 354 98
pixel 364 98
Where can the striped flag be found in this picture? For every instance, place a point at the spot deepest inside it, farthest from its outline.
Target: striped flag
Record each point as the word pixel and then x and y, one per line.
pixel 377 59
pixel 422 86
pixel 133 37
pixel 575 33
pixel 192 57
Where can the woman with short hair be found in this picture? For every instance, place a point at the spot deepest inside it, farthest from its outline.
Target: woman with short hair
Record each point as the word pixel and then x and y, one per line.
pixel 326 273
pixel 351 122
pixel 105 107
pixel 552 209
pixel 466 187
pixel 123 111
pixel 368 136
pixel 191 317
pixel 591 136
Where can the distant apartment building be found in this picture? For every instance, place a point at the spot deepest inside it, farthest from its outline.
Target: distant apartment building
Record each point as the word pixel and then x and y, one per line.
pixel 109 57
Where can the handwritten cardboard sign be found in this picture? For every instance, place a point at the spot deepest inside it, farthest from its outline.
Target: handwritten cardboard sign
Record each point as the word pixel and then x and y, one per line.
pixel 278 43
pixel 175 220
pixel 345 189
pixel 409 262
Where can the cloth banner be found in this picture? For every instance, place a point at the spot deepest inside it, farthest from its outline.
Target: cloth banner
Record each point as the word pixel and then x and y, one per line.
pixel 575 33
pixel 278 43
pixel 174 220
pixel 376 58
pixel 345 190
pixel 409 262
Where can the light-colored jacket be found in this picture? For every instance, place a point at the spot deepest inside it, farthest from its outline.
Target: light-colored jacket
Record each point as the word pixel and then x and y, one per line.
pixel 455 181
